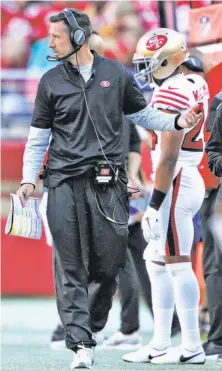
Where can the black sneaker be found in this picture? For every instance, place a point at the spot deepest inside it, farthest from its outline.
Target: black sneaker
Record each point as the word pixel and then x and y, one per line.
pixel 58 338
pixel 219 358
pixel 212 350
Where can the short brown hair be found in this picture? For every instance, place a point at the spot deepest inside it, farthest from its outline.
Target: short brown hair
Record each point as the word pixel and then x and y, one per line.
pixel 81 18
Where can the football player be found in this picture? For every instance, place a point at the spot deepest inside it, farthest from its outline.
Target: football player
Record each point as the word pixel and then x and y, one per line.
pixel 167 223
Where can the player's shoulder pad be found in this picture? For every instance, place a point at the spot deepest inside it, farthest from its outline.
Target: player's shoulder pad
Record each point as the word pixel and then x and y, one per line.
pixel 194 78
pixel 198 86
pixel 177 83
pixel 173 94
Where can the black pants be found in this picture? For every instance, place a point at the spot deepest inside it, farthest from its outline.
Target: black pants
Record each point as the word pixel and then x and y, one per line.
pixel 129 284
pixel 89 250
pixel 212 269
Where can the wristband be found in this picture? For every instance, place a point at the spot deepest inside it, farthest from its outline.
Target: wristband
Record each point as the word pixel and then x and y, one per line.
pixel 28 183
pixel 177 127
pixel 157 199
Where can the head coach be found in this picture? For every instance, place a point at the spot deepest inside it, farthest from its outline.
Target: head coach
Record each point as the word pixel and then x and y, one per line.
pixel 79 104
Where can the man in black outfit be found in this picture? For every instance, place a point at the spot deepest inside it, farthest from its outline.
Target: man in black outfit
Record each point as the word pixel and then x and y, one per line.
pixel 212 250
pixel 212 256
pixel 128 286
pixel 80 104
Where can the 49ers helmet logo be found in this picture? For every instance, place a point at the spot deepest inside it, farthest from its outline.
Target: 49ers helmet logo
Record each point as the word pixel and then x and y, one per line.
pixel 156 42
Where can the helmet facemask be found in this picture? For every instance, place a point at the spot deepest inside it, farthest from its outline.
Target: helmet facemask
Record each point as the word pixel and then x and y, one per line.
pixel 145 66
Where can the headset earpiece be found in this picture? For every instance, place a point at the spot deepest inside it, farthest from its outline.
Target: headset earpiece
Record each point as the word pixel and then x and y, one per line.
pixel 77 34
pixel 78 37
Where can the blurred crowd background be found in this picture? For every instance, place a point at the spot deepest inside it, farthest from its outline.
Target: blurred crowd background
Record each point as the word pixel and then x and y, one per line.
pixel 24 34
pixel 120 23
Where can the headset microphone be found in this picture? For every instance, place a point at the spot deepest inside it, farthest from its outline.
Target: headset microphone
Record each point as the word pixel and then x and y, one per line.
pixel 55 59
pixel 52 59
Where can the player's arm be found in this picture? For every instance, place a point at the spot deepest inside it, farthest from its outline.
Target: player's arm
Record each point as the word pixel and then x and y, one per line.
pixel 170 101
pixel 134 107
pixel 170 147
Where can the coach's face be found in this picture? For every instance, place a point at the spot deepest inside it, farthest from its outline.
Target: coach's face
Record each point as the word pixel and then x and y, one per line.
pixel 59 39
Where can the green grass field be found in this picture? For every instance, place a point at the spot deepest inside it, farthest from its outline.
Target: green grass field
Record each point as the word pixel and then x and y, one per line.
pixel 27 325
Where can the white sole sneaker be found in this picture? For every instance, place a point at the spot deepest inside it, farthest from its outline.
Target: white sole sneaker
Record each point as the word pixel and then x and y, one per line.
pixel 181 356
pixel 144 355
pixel 83 358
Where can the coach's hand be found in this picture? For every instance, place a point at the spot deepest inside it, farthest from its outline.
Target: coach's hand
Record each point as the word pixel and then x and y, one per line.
pixel 190 117
pixel 25 191
pixel 150 224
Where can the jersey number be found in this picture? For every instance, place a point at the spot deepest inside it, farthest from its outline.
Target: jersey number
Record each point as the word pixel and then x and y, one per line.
pixel 190 143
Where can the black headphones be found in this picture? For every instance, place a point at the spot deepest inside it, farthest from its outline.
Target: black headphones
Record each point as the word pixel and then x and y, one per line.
pixel 77 34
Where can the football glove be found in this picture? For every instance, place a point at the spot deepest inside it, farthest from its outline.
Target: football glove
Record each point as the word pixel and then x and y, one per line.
pixel 150 224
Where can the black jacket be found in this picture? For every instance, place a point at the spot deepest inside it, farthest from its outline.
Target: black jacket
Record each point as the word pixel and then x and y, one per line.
pixel 212 112
pixel 214 146
pixel 60 106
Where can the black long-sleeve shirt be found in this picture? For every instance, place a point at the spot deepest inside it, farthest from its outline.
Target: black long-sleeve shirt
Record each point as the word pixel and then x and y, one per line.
pixel 213 110
pixel 214 146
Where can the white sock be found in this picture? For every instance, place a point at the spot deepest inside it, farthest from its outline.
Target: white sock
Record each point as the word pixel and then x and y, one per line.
pixel 163 304
pixel 187 298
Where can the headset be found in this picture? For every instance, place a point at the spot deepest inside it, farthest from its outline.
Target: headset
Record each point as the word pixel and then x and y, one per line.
pixel 77 35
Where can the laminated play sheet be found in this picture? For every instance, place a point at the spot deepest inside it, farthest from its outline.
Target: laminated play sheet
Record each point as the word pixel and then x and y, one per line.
pixel 24 221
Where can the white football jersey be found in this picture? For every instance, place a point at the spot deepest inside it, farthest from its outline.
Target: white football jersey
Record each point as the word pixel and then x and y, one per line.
pixel 178 93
